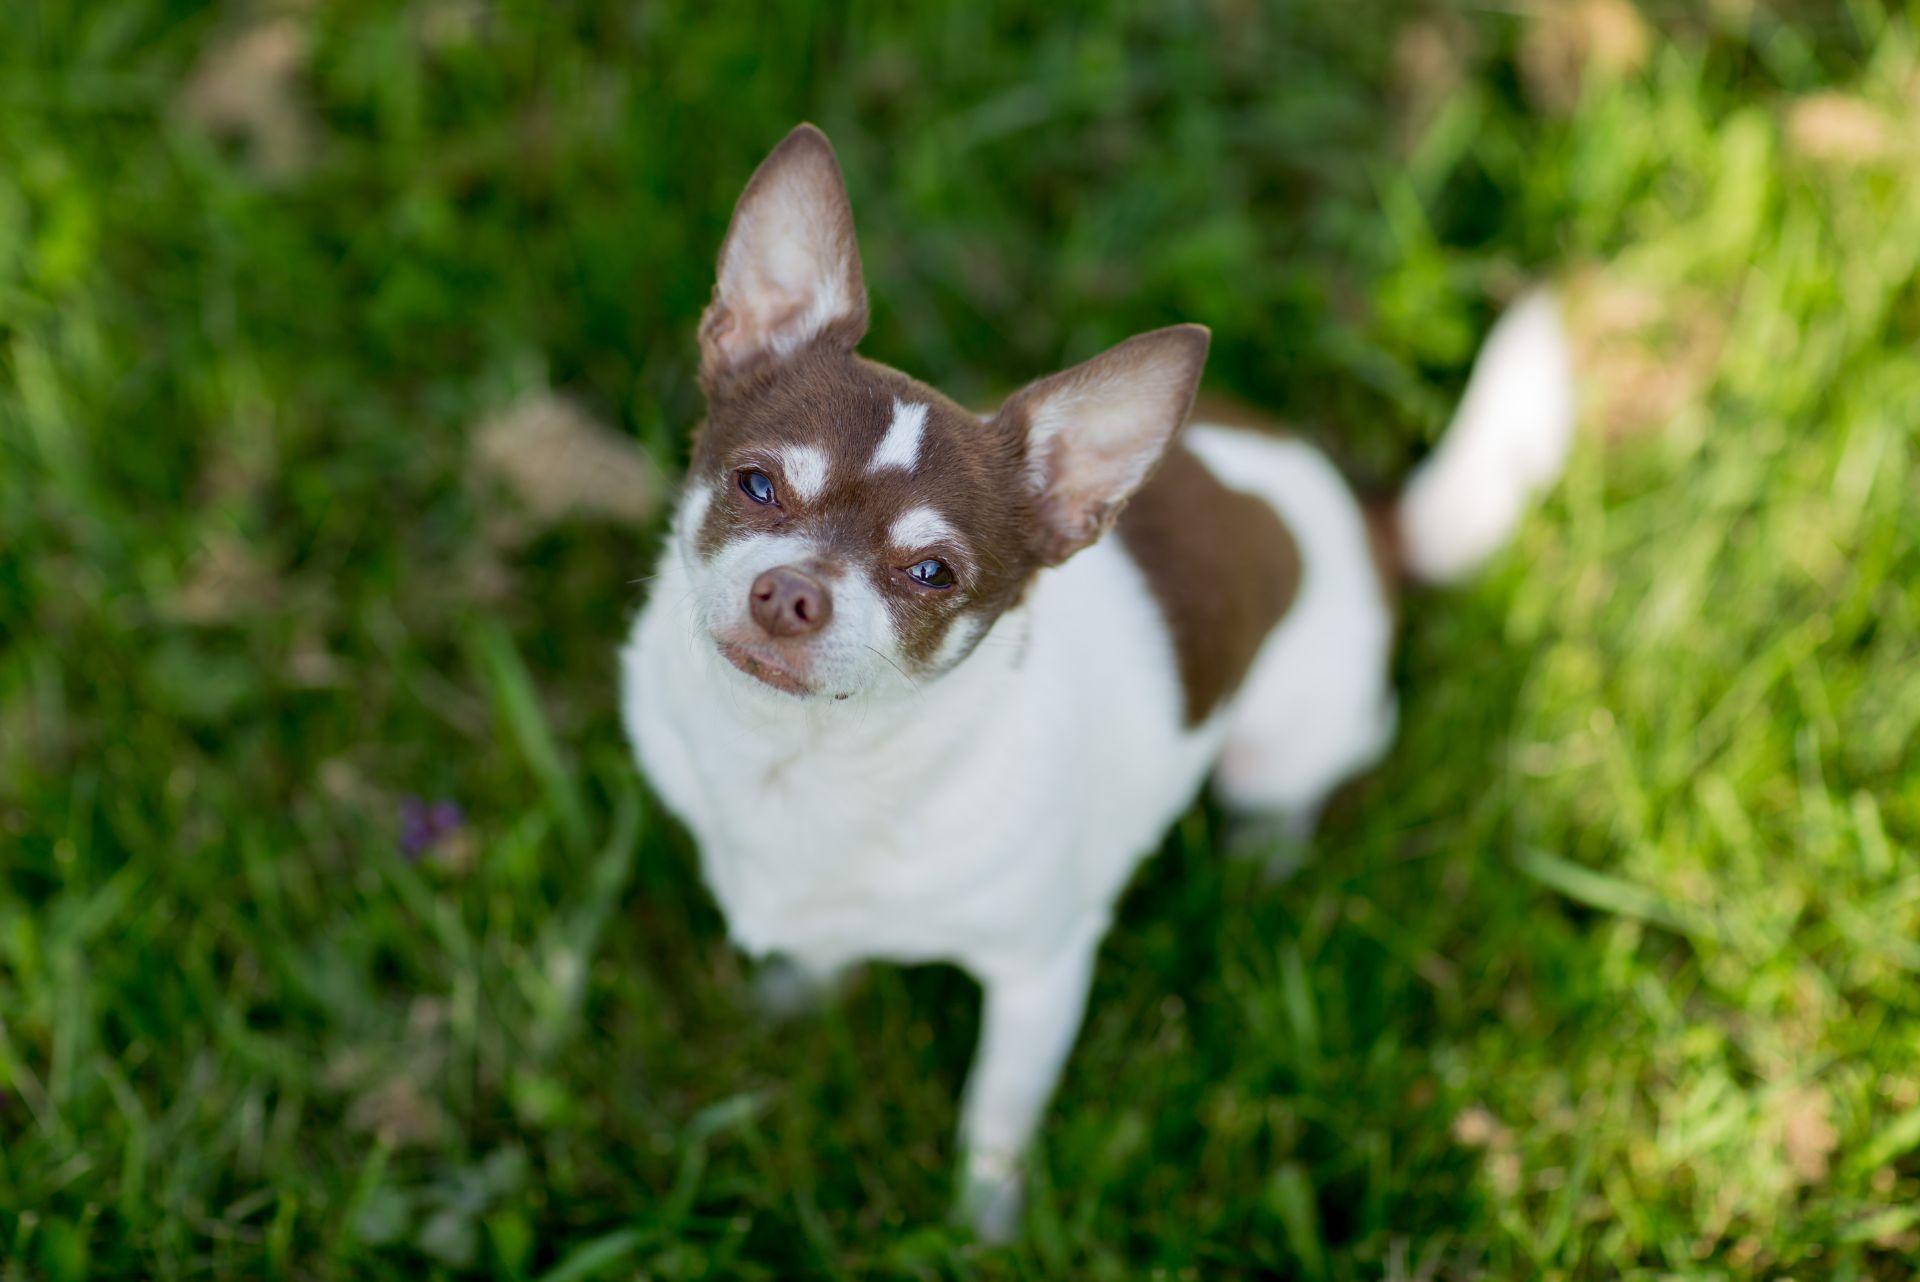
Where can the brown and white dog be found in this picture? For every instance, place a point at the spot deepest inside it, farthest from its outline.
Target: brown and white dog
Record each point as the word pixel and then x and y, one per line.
pixel 929 686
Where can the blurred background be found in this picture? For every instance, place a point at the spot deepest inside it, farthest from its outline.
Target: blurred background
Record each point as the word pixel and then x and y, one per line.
pixel 345 365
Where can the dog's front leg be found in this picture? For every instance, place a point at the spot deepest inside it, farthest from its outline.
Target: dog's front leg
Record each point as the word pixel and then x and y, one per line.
pixel 1027 1026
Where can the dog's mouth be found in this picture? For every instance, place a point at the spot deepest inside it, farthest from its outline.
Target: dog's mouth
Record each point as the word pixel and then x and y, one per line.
pixel 764 669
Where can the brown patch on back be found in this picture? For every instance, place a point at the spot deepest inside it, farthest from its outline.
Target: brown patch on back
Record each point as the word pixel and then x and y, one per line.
pixel 1383 531
pixel 1222 566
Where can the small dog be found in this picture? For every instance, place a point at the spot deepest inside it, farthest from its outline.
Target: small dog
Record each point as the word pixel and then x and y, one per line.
pixel 929 686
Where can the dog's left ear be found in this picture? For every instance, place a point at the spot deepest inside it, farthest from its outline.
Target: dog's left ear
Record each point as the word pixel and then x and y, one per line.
pixel 789 267
pixel 1093 433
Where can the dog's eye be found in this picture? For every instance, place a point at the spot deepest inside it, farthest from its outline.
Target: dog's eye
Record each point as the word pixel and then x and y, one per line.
pixel 931 574
pixel 756 485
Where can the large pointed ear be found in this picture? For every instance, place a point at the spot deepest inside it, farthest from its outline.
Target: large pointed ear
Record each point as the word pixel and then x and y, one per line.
pixel 789 267
pixel 1094 432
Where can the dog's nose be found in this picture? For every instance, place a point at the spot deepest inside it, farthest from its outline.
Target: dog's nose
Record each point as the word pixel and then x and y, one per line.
pixel 788 603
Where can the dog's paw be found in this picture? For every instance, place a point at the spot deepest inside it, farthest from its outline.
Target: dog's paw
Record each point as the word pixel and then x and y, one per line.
pixel 783 989
pixel 992 1198
pixel 1280 844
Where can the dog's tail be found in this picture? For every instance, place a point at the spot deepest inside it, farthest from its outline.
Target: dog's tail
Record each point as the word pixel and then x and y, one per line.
pixel 1508 441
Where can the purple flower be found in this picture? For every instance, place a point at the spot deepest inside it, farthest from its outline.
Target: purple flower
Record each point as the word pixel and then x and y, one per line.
pixel 424 824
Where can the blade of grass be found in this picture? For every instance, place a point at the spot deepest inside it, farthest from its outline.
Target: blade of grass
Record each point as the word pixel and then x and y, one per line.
pixel 1610 894
pixel 517 703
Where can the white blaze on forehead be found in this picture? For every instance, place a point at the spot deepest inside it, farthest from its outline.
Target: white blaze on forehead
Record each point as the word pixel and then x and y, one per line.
pixel 805 467
pixel 918 527
pixel 900 447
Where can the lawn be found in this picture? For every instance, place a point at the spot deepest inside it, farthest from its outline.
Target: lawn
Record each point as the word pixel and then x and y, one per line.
pixel 339 938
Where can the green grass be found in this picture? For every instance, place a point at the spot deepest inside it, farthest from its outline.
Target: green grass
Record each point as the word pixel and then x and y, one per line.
pixel 1609 971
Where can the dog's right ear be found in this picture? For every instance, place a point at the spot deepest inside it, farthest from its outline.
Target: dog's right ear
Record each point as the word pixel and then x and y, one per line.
pixel 789 267
pixel 1094 432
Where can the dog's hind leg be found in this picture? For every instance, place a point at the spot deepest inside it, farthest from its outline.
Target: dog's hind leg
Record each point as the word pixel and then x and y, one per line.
pixel 1317 706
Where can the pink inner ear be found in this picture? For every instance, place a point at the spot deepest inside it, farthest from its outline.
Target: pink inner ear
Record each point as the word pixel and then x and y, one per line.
pixel 718 327
pixel 1095 431
pixel 738 337
pixel 756 314
pixel 1095 441
pixel 790 267
pixel 1066 527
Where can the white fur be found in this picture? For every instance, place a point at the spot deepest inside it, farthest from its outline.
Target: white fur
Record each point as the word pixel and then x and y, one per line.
pixel 805 469
pixel 900 447
pixel 919 527
pixel 839 831
pixel 694 503
pixel 794 268
pixel 990 817
pixel 858 652
pixel 960 639
pixel 1507 441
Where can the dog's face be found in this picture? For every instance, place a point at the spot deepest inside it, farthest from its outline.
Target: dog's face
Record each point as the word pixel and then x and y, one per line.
pixel 849 530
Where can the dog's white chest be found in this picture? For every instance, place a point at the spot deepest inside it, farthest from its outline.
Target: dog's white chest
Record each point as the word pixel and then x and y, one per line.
pixel 975 822
pixel 812 851
pixel 834 850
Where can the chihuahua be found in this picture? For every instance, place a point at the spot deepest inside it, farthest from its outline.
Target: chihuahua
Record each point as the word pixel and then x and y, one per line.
pixel 927 685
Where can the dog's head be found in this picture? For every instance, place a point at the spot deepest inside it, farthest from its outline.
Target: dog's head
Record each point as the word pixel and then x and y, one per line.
pixel 849 529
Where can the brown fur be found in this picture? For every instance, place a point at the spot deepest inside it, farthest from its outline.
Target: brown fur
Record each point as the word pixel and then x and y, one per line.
pixel 1383 533
pixel 1222 566
pixel 971 473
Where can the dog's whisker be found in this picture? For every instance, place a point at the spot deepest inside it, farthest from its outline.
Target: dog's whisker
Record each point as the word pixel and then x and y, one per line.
pixel 911 683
